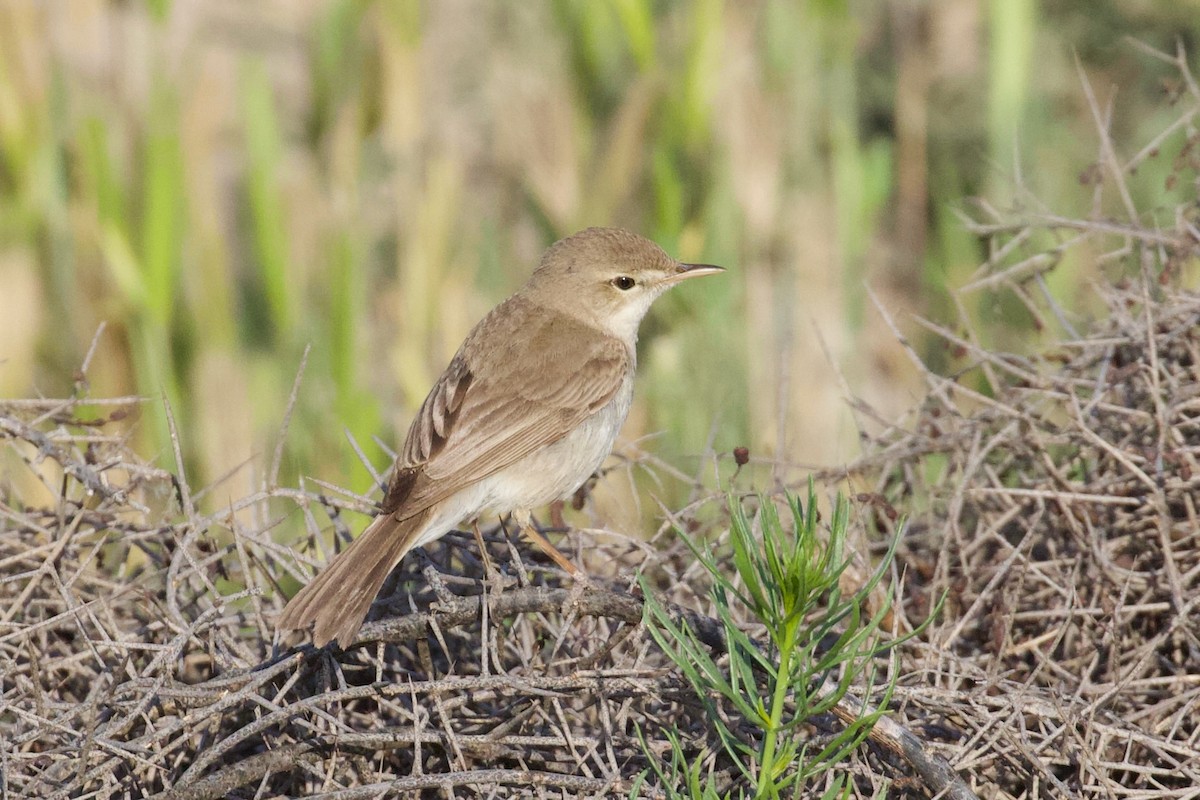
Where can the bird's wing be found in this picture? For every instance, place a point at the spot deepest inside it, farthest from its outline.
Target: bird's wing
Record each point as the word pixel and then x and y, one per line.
pixel 485 414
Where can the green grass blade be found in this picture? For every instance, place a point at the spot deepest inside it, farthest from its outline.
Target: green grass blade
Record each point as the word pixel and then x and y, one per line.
pixel 263 147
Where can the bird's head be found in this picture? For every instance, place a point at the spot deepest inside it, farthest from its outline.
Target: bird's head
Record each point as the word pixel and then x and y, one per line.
pixel 608 278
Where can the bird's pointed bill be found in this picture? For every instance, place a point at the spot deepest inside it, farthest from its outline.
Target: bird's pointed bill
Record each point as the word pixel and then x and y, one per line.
pixel 686 271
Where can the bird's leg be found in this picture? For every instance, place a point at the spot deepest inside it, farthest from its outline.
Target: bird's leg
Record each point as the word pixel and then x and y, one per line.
pixel 483 553
pixel 492 576
pixel 556 515
pixel 525 522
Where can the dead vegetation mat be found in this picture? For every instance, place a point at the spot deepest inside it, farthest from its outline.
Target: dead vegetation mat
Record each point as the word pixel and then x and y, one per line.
pixel 1053 507
pixel 137 656
pixel 1059 521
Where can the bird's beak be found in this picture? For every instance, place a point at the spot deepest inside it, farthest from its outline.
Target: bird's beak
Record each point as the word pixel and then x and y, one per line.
pixel 685 271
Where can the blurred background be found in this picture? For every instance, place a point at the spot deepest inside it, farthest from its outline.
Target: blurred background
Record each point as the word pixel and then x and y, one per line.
pixel 224 184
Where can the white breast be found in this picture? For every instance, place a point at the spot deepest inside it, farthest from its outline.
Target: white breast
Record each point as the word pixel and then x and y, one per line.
pixel 558 469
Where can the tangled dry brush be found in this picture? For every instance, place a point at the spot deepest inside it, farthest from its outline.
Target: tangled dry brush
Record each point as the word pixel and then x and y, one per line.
pixel 1059 520
pixel 1063 531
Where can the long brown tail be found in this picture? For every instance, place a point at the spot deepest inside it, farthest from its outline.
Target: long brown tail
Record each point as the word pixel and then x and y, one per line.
pixel 336 602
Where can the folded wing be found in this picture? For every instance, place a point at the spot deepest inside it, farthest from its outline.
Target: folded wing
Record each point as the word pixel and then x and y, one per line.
pixel 482 417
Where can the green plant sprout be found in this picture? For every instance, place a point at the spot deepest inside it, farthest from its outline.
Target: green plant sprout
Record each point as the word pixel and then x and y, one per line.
pixel 817 646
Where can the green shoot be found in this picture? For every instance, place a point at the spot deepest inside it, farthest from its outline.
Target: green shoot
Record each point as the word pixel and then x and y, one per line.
pixel 815 648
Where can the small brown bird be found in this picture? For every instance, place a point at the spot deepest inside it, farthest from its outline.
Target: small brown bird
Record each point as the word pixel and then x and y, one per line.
pixel 526 411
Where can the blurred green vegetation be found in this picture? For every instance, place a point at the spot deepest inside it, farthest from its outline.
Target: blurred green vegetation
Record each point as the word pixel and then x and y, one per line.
pixel 224 185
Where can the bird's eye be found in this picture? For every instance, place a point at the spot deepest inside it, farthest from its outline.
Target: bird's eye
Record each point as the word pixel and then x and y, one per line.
pixel 624 283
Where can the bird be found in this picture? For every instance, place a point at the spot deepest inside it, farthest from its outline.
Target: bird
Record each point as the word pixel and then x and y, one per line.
pixel 527 410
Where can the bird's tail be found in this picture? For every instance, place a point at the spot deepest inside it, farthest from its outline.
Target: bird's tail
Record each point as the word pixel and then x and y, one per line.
pixel 336 602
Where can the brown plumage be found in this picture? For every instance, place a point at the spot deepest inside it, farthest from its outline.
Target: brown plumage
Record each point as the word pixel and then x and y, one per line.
pixel 526 411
